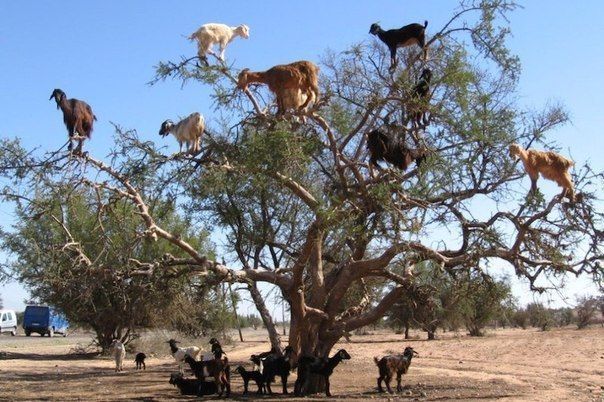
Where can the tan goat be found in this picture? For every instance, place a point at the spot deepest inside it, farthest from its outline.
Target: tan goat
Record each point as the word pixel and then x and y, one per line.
pixel 551 165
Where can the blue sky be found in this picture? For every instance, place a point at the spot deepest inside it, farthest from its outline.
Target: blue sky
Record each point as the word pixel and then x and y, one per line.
pixel 104 53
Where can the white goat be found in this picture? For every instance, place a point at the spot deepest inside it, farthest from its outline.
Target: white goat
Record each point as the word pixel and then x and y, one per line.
pixel 180 353
pixel 188 130
pixel 118 351
pixel 209 34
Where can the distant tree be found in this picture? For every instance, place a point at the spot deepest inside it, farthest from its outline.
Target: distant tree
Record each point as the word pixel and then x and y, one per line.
pixel 563 316
pixel 539 316
pixel 520 318
pixel 481 300
pixel 97 281
pixel 586 309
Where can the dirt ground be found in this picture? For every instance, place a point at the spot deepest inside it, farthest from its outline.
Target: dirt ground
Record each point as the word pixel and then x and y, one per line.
pixel 563 364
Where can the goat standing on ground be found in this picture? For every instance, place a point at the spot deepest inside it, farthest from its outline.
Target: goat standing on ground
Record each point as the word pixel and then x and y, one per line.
pixel 251 375
pixel 209 34
pixel 324 367
pixel 406 36
pixel 77 116
pixel 300 75
pixel 180 353
pixel 551 165
pixel 216 368
pixel 389 365
pixel 416 110
pixel 118 351
pixel 139 359
pixel 390 147
pixel 277 365
pixel 188 131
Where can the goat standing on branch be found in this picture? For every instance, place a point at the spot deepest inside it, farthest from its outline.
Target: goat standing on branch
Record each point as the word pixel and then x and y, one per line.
pixel 284 78
pixel 412 34
pixel 416 109
pixel 188 131
pixel 77 116
pixel 391 148
pixel 551 165
pixel 209 34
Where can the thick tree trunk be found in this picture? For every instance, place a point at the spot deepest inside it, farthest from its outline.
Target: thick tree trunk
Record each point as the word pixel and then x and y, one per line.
pixel 273 334
pixel 431 336
pixel 406 331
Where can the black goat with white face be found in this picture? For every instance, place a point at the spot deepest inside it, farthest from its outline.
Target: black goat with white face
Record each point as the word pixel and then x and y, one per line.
pixel 412 34
pixel 390 147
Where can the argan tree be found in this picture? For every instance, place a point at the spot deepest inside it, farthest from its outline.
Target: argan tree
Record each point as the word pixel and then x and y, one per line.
pixel 299 208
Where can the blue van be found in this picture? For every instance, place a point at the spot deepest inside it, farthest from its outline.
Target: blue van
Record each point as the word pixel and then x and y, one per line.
pixel 43 320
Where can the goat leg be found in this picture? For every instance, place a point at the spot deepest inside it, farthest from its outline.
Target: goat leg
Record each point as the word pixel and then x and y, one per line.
pixel 327 392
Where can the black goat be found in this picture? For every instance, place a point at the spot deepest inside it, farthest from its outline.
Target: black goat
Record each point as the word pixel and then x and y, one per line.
pixel 390 147
pixel 216 348
pixel 192 386
pixel 322 366
pixel 217 368
pixel 251 375
pixel 416 110
pixel 139 359
pixel 406 36
pixel 277 365
pixel 389 365
pixel 77 116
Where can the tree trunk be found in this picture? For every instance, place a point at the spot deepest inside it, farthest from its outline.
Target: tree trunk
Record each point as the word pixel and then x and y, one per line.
pixel 406 331
pixel 431 335
pixel 273 334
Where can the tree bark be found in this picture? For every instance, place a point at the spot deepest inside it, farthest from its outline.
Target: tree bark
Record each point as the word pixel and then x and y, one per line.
pixel 273 334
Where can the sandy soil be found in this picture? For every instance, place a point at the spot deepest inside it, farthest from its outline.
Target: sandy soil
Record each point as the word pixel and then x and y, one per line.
pixel 512 365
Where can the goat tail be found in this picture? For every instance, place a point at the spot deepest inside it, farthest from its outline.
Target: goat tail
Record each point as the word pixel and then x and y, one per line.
pixel 376 360
pixel 425 24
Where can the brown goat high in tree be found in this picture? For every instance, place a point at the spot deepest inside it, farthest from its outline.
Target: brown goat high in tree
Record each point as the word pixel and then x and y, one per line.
pixel 283 78
pixel 77 116
pixel 551 165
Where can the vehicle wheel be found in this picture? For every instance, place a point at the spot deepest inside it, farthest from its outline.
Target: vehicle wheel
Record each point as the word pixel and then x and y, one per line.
pixel 13 332
pixel 51 333
pixel 27 333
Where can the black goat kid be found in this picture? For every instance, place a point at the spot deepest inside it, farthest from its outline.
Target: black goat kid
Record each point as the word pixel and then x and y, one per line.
pixel 324 367
pixel 406 36
pixel 416 109
pixel 390 147
pixel 139 359
pixel 251 375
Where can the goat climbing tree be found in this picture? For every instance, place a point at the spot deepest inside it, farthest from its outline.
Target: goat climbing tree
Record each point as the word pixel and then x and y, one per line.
pixel 300 209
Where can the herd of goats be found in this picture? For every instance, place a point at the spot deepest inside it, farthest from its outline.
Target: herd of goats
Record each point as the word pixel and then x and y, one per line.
pixel 295 87
pixel 267 366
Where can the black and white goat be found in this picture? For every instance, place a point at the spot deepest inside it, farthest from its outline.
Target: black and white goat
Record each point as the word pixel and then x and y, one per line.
pixel 412 34
pixel 188 131
pixel 77 116
pixel 217 368
pixel 322 366
pixel 390 147
pixel 389 365
pixel 180 353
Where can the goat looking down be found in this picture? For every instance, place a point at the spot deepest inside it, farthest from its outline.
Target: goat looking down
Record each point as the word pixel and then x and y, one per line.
pixel 390 147
pixel 316 365
pixel 209 34
pixel 551 165
pixel 189 131
pixel 192 386
pixel 416 110
pixel 139 360
pixel 301 75
pixel 180 353
pixel 389 365
pixel 412 34
pixel 77 116
pixel 217 368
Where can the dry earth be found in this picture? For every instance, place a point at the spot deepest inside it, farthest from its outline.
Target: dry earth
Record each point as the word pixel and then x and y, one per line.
pixel 563 364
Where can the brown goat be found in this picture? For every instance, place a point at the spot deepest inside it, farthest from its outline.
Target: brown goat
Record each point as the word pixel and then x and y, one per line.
pixel 389 365
pixel 551 165
pixel 283 78
pixel 77 116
